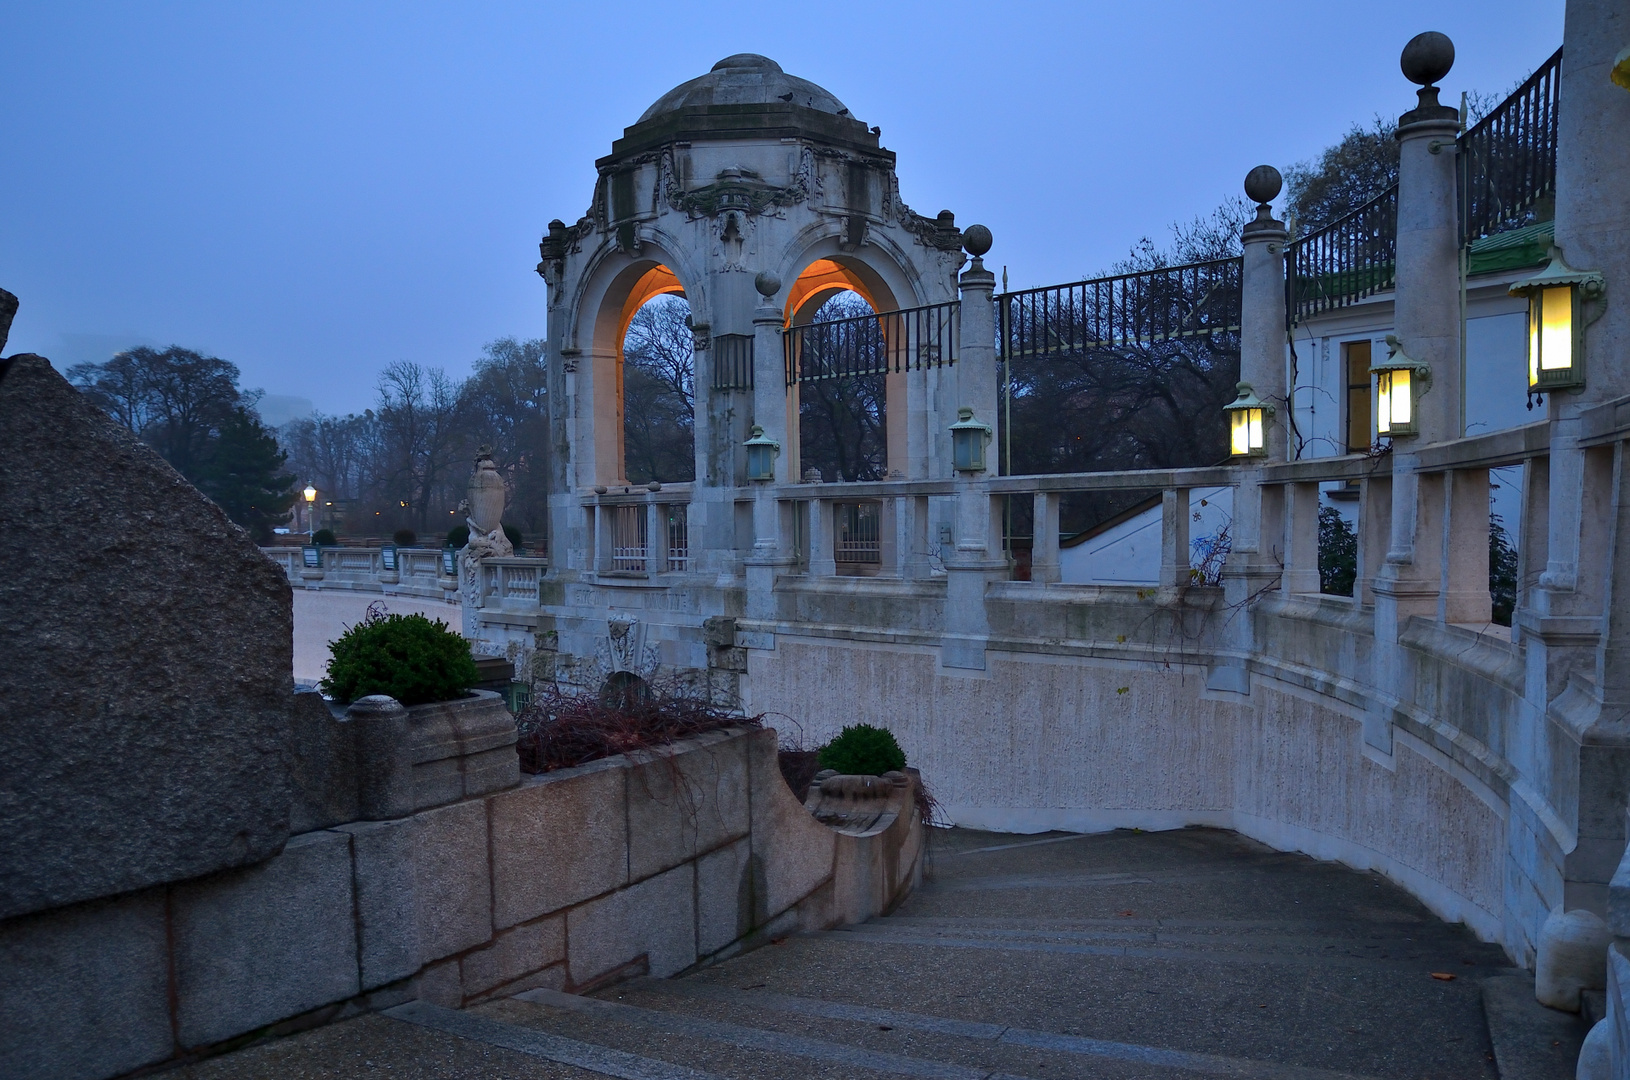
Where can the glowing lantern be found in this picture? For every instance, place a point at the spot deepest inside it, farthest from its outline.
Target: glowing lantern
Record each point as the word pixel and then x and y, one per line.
pixel 761 452
pixel 968 439
pixel 1248 417
pixel 1398 382
pixel 1555 356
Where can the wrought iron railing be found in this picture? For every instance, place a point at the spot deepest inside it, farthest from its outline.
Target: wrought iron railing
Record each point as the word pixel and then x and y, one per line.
pixel 858 540
pixel 1150 307
pixel 885 343
pixel 1352 257
pixel 628 537
pixel 732 361
pixel 678 521
pixel 1508 158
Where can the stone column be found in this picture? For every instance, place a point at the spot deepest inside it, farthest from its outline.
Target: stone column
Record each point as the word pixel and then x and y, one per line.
pixel 822 558
pixel 1254 558
pixel 1174 538
pixel 976 373
pixel 770 552
pixel 1044 563
pixel 1301 540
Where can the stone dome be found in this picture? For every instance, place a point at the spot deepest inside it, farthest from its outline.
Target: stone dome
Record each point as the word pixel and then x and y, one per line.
pixel 745 79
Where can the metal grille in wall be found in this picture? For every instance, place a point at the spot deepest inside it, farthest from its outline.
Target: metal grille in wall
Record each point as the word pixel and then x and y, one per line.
pixel 886 343
pixel 732 361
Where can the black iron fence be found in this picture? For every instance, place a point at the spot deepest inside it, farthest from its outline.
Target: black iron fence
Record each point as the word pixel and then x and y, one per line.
pixel 1195 300
pixel 1352 257
pixel 1508 158
pixel 880 344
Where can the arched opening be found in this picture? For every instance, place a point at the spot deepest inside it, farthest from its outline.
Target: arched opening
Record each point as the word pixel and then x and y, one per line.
pixel 656 381
pixel 843 418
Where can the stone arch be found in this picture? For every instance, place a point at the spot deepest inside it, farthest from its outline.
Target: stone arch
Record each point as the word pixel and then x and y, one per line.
pixel 884 284
pixel 615 290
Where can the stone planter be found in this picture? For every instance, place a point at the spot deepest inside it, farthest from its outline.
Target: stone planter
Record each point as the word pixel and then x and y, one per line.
pixel 859 805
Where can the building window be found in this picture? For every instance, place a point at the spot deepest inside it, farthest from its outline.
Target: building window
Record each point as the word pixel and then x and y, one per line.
pixel 1356 366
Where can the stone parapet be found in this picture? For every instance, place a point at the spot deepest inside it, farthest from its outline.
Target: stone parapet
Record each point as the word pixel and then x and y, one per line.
pixel 648 863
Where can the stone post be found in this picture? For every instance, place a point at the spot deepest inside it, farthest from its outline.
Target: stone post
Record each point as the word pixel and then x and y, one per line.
pixel 770 554
pixel 976 374
pixel 384 763
pixel 1174 538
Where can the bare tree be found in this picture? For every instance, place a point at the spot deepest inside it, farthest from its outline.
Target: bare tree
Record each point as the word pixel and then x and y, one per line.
pixel 659 393
pixel 421 435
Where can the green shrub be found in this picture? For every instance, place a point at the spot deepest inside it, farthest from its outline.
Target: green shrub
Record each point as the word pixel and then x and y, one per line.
pixel 405 538
pixel 408 657
pixel 514 535
pixel 458 536
pixel 325 537
pixel 863 750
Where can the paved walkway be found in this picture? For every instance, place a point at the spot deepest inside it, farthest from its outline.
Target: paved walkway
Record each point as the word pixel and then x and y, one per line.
pixel 1171 955
pixel 322 616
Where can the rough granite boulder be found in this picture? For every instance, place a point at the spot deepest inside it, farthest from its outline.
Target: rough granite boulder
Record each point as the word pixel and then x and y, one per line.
pixel 146 685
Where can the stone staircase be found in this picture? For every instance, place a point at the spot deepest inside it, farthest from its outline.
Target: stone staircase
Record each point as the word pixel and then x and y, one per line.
pixel 1191 953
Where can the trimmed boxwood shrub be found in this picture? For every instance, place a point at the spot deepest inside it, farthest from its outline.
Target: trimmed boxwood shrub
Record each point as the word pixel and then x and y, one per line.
pixel 458 536
pixel 405 538
pixel 863 750
pixel 514 536
pixel 408 657
pixel 324 537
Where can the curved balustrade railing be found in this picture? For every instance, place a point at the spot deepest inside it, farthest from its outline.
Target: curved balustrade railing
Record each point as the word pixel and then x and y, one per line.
pixel 886 343
pixel 1507 160
pixel 1150 307
pixel 1351 258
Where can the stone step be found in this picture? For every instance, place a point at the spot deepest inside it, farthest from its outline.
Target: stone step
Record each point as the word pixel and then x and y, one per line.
pixel 854 1021
pixel 756 1042
pixel 1264 948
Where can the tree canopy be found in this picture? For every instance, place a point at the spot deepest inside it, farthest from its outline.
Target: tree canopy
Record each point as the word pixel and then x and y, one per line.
pixel 189 407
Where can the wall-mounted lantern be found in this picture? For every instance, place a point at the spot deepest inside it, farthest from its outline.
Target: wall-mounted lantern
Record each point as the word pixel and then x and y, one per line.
pixel 761 452
pixel 1399 383
pixel 1248 417
pixel 1555 357
pixel 968 440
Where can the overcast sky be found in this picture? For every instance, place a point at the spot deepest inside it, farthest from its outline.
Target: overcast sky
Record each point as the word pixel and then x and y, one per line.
pixel 314 191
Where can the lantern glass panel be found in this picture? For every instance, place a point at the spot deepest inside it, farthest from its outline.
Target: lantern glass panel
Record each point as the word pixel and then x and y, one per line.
pixel 1239 433
pixel 968 449
pixel 760 463
pixel 1534 306
pixel 1402 405
pixel 1556 328
pixel 1383 402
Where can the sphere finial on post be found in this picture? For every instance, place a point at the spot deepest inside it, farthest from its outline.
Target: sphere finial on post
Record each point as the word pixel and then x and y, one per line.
pixel 1427 58
pixel 1263 184
pixel 767 283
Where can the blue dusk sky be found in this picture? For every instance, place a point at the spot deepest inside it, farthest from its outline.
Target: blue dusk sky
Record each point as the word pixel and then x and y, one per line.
pixel 316 190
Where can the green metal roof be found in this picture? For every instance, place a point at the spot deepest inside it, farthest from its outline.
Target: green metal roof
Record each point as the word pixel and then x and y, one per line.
pixel 1513 249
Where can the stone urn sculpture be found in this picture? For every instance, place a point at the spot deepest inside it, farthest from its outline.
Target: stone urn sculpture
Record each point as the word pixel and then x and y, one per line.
pixel 486 495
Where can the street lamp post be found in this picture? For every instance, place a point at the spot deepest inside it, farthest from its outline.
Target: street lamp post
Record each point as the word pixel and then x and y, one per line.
pixel 311 505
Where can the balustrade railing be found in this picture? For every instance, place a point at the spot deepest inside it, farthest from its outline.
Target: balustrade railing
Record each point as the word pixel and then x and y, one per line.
pixel 888 342
pixel 1351 258
pixel 1150 307
pixel 1507 160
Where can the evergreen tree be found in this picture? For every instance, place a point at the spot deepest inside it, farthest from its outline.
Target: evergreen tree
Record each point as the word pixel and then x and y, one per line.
pixel 244 475
pixel 1338 553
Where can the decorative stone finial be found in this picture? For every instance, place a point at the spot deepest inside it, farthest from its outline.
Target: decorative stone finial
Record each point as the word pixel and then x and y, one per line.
pixel 976 240
pixel 767 283
pixel 1427 58
pixel 1263 184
